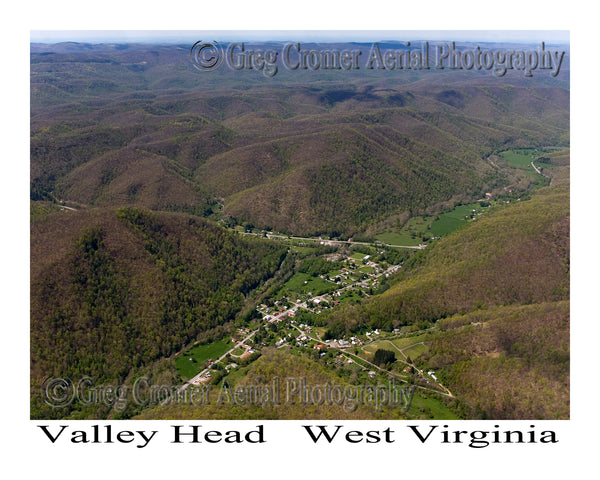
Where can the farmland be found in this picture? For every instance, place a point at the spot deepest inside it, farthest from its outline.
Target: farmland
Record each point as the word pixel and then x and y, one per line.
pixel 190 361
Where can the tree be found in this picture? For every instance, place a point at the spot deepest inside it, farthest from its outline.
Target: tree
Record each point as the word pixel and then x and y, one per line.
pixel 384 357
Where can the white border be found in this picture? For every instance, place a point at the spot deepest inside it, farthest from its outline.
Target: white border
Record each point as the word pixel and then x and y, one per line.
pixel 288 454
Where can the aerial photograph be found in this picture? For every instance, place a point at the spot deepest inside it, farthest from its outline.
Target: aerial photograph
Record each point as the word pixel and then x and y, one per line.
pixel 291 225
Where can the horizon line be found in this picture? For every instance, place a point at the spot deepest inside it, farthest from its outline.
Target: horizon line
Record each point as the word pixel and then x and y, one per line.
pixel 561 37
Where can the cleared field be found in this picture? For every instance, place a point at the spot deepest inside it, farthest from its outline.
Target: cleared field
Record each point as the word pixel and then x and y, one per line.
pixel 450 221
pixel 398 238
pixel 522 159
pixel 319 331
pixel 411 234
pixel 420 229
pixel 199 354
pixel 302 283
pixel 415 351
pixel 351 296
pixel 357 256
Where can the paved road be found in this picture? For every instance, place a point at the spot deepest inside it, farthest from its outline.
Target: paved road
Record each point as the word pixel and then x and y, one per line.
pixel 337 242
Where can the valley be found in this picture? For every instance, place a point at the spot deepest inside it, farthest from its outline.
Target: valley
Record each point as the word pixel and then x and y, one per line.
pixel 364 234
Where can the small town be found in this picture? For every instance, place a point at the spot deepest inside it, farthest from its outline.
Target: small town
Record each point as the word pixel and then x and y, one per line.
pixel 287 320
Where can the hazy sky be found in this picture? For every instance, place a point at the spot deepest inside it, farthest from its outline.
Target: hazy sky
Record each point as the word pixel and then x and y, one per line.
pixel 168 36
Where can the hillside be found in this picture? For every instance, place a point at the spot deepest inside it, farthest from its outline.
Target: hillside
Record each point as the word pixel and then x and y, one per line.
pixel 509 362
pixel 113 291
pixel 332 158
pixel 496 292
pixel 271 389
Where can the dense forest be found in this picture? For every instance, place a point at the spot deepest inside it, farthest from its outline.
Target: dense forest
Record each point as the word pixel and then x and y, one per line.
pixel 117 126
pixel 127 287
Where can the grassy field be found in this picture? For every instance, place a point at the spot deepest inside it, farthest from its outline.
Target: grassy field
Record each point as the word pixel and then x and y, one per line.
pixel 450 221
pixel 415 351
pixel 319 331
pixel 522 159
pixel 399 343
pixel 366 269
pixel 419 229
pixel 302 283
pixel 200 353
pixel 357 256
pixel 411 234
pixel 398 238
pixel 430 407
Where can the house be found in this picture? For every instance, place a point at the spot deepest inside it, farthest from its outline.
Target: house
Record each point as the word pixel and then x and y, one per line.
pixel 372 374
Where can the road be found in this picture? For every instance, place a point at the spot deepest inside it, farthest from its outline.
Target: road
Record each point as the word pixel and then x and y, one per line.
pixel 336 242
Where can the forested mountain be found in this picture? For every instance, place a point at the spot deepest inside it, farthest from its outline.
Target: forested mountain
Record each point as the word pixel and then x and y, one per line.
pixel 115 126
pixel 114 290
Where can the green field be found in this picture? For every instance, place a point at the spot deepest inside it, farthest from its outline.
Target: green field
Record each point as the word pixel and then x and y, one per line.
pixel 415 351
pixel 200 353
pixel 450 221
pixel 400 343
pixel 357 256
pixel 297 286
pixel 398 238
pixel 411 234
pixel 425 406
pixel 419 229
pixel 522 159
